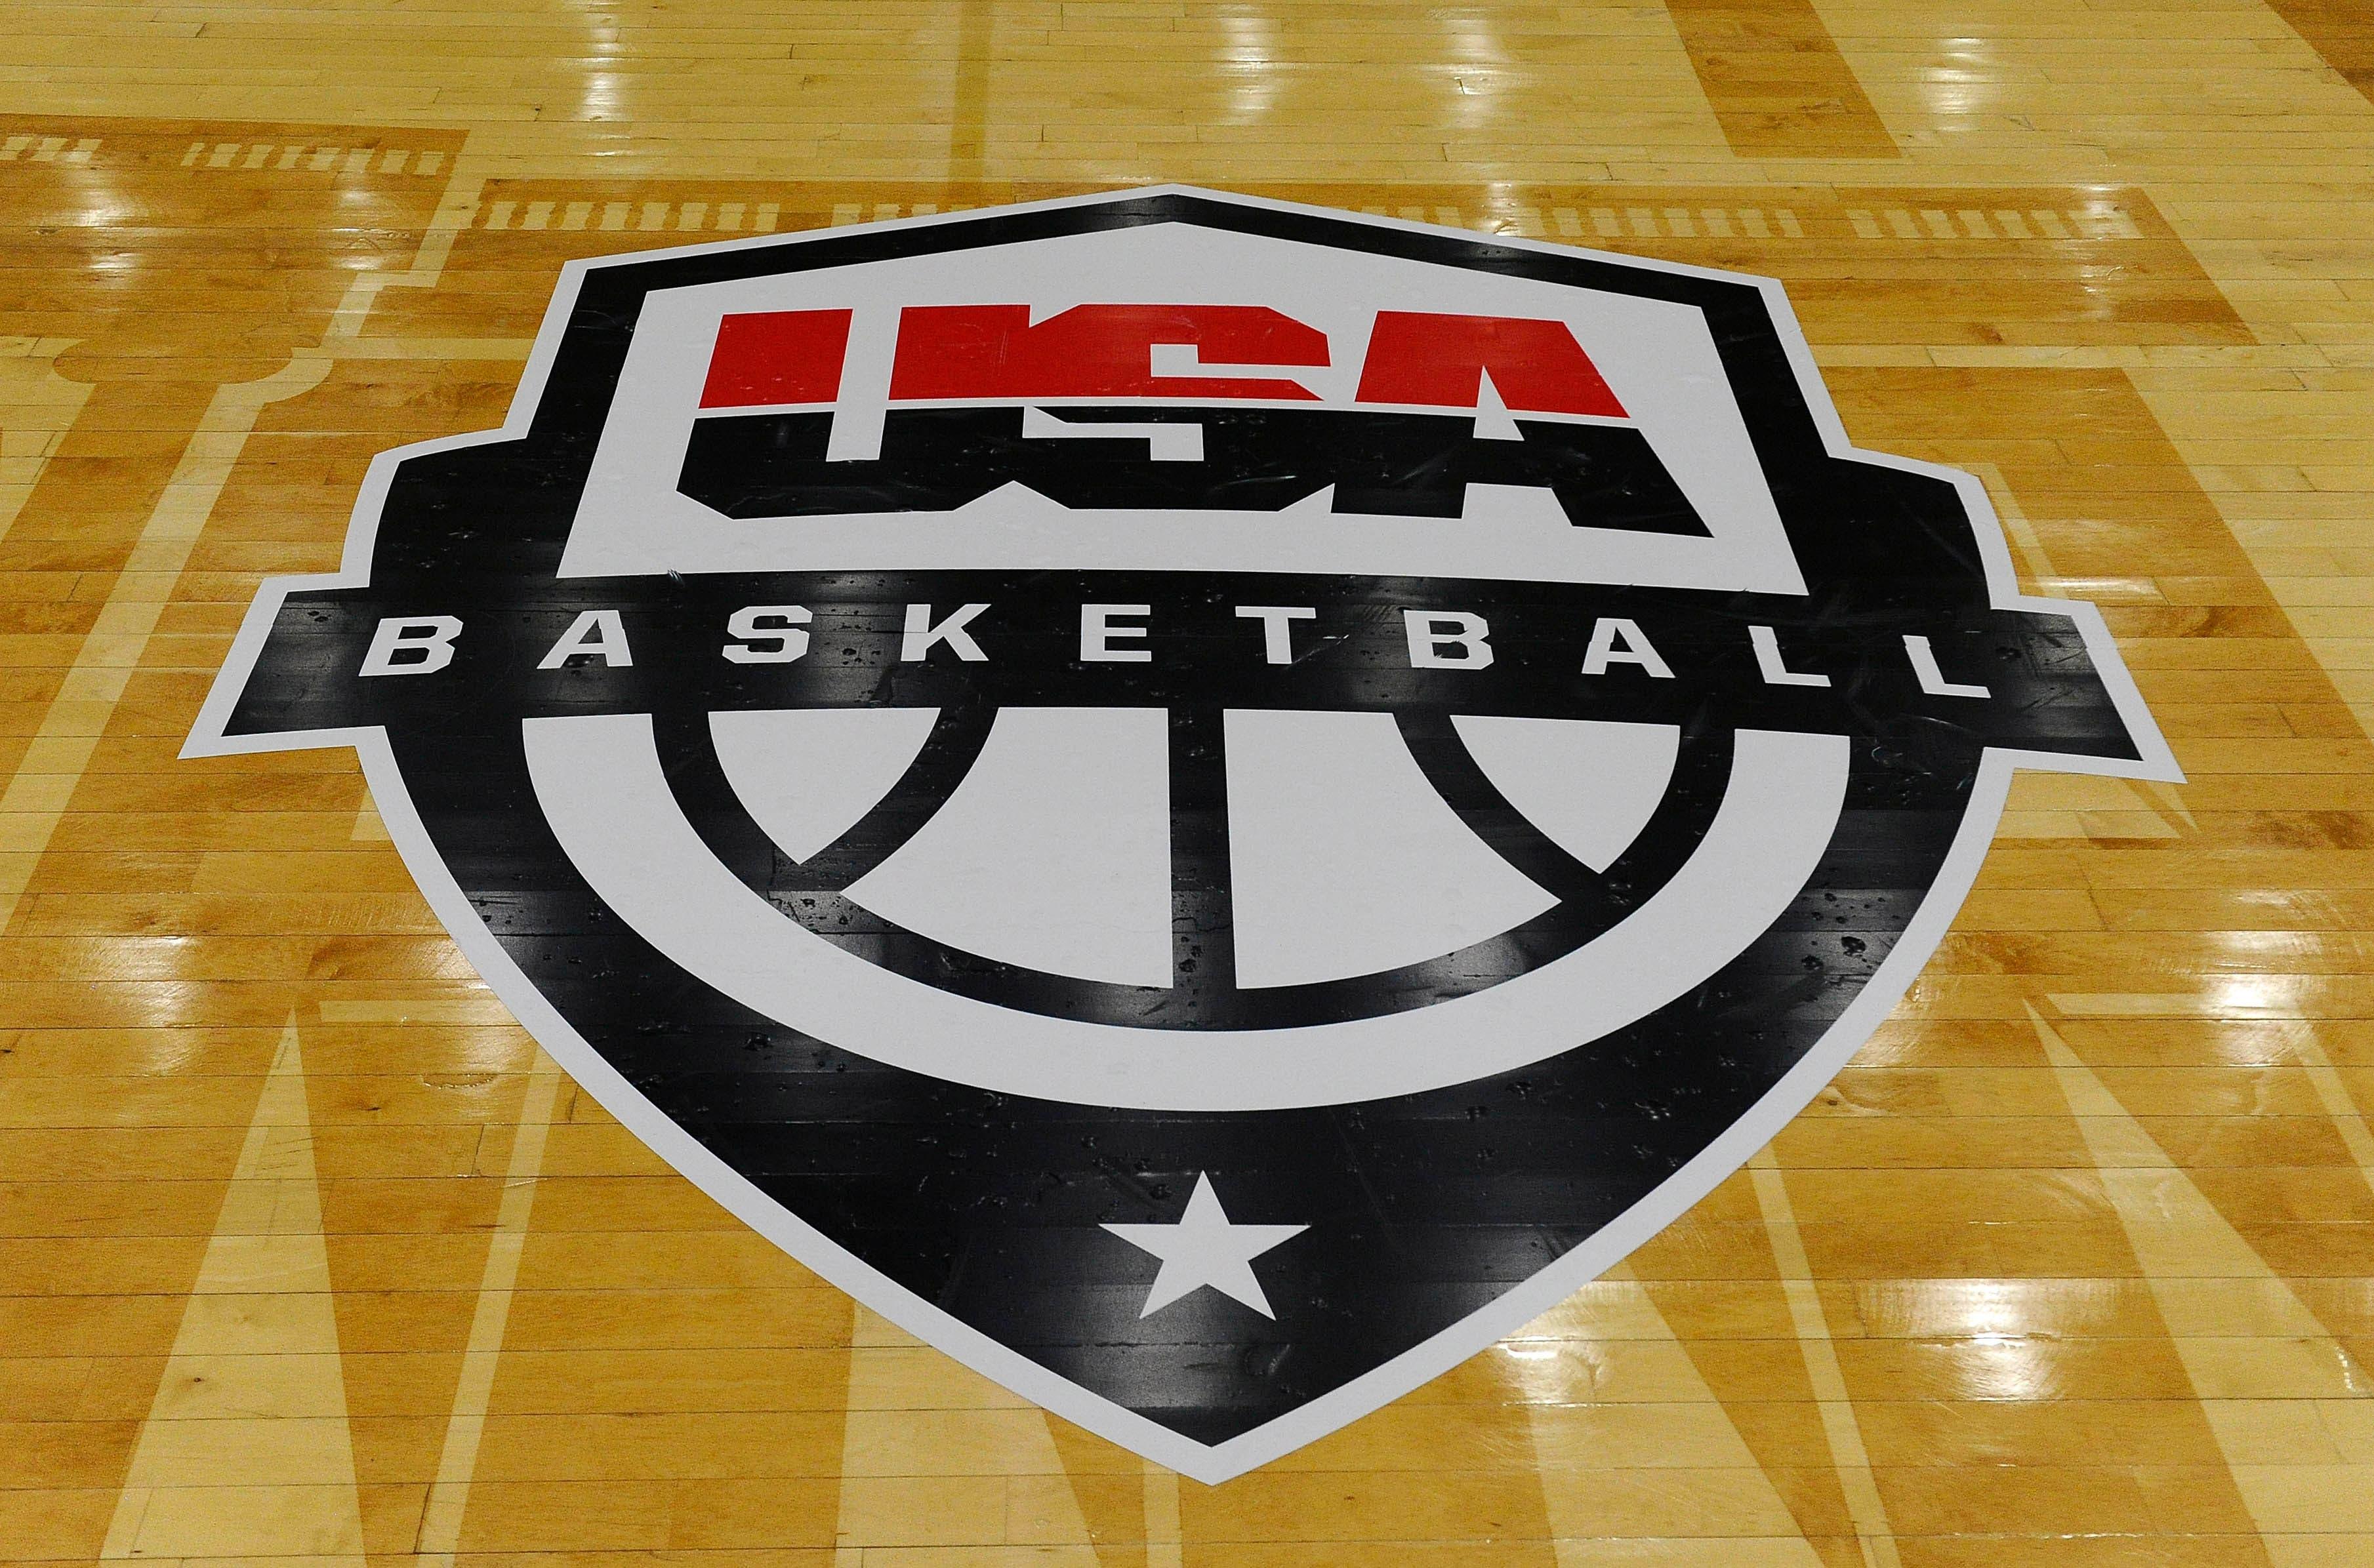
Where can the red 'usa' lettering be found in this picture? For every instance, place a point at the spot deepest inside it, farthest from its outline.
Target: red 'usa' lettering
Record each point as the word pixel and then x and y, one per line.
pixel 950 351
pixel 777 357
pixel 1536 367
pixel 993 351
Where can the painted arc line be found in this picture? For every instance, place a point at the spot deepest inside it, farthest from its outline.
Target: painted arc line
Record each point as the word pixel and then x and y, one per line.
pixel 1053 853
pixel 599 781
pixel 1313 794
pixel 807 775
pixel 1591 784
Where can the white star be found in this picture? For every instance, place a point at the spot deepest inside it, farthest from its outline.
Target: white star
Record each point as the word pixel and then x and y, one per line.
pixel 1203 1249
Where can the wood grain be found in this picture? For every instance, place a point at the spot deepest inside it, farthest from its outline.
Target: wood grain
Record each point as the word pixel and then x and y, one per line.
pixel 2070 1267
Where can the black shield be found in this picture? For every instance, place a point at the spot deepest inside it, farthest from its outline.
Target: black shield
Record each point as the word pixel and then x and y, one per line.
pixel 1275 1136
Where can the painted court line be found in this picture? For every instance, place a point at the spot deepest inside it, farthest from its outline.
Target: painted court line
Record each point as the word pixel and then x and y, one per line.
pixel 77 716
pixel 449 1496
pixel 1848 1457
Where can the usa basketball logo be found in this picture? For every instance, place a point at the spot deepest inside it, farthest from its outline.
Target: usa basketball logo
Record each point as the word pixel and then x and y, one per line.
pixel 1208 804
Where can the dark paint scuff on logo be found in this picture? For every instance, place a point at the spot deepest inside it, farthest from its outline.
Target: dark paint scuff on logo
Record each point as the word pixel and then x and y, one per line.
pixel 1208 804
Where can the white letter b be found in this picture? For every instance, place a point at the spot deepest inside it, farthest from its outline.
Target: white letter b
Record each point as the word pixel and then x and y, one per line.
pixel 431 637
pixel 1433 633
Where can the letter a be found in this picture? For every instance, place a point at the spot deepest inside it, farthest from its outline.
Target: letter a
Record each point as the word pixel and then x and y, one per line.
pixel 596 634
pixel 1634 650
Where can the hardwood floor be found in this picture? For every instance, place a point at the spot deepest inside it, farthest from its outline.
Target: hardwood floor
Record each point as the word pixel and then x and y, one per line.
pixel 308 1257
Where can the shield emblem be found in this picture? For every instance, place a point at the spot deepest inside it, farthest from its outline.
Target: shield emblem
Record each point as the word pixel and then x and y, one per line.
pixel 1208 804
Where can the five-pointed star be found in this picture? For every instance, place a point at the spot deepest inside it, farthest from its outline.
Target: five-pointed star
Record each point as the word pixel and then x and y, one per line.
pixel 1203 1249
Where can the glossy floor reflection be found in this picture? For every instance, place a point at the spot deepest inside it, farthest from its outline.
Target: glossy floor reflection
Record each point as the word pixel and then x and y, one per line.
pixel 305 1255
